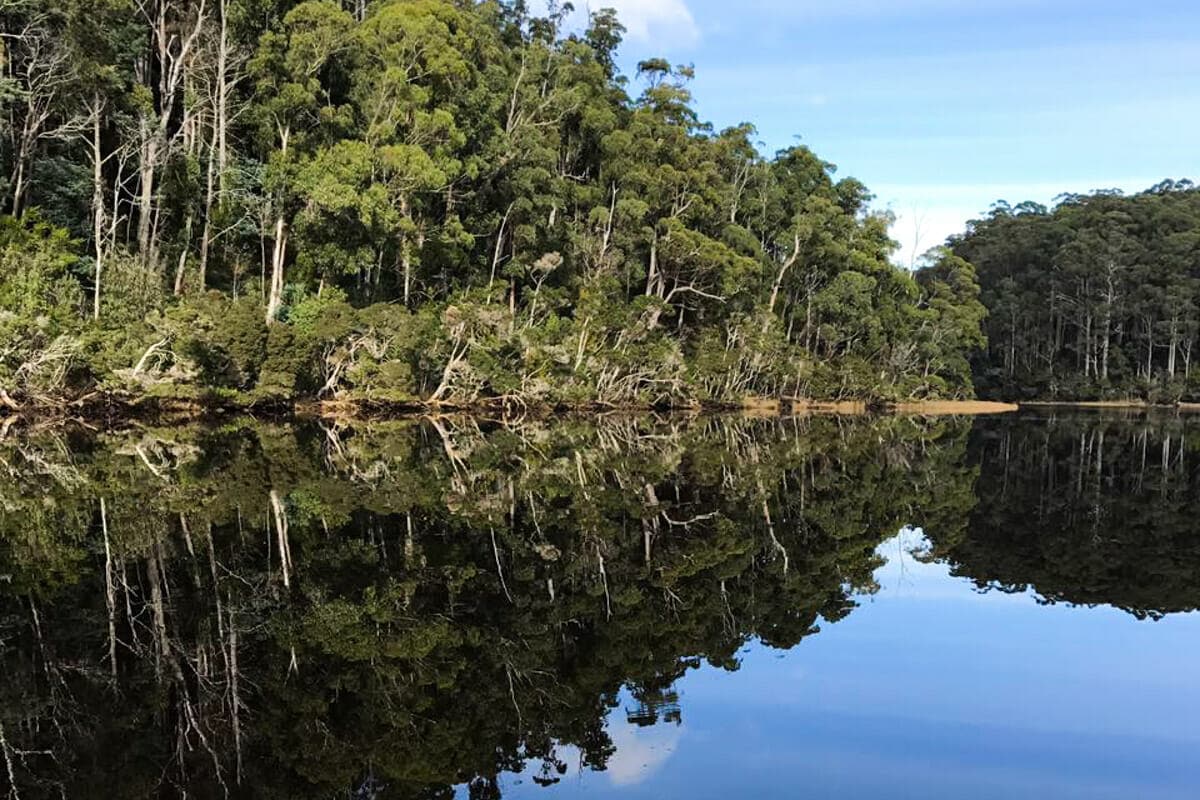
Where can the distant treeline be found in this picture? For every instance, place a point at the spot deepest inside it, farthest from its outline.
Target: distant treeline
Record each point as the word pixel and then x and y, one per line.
pixel 1097 298
pixel 424 201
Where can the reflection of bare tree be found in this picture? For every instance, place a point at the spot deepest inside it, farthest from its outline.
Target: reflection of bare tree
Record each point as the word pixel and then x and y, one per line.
pixel 160 455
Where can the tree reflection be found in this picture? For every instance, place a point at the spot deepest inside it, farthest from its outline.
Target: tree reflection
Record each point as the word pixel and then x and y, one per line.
pixel 401 608
pixel 1085 509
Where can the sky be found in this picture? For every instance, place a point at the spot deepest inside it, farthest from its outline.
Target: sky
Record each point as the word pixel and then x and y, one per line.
pixel 928 690
pixel 943 107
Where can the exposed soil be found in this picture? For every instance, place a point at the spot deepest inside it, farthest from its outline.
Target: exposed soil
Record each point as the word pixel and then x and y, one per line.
pixel 937 408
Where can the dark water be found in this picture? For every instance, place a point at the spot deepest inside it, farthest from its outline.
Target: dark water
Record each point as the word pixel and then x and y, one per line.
pixel 715 608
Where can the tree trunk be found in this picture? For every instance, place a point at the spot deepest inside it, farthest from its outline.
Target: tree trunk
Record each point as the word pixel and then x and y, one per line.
pixel 1171 359
pixel 173 40
pixel 222 121
pixel 1104 347
pixel 652 277
pixel 406 270
pixel 149 156
pixel 110 593
pixel 281 535
pixel 1149 351
pixel 275 295
pixel 1087 346
pixel 97 202
pixel 783 268
pixel 183 254
pixel 18 193
pixel 210 202
pixel 1110 298
pixel 1012 344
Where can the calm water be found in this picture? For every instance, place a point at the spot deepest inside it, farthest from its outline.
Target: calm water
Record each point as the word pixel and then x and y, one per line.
pixel 715 608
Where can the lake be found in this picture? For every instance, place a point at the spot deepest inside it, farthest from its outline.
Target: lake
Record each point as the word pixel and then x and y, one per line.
pixel 717 607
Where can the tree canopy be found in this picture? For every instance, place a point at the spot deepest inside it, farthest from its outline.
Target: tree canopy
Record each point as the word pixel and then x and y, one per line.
pixel 1097 298
pixel 424 201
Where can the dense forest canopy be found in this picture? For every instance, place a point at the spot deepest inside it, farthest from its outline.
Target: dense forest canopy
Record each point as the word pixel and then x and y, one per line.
pixel 1097 298
pixel 425 200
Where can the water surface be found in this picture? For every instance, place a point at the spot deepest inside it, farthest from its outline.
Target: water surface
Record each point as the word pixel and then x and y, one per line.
pixel 654 608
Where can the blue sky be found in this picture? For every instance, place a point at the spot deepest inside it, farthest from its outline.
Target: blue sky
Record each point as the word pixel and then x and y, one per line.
pixel 944 106
pixel 928 690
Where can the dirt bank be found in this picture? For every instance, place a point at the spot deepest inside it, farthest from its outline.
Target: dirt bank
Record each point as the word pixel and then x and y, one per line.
pixel 941 408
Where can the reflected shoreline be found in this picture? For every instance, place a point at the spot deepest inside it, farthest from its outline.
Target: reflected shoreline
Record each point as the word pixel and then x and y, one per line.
pixel 109 415
pixel 311 609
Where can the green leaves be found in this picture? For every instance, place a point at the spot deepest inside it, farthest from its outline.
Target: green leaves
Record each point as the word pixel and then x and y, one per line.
pixel 35 262
pixel 433 154
pixel 297 72
pixel 1096 298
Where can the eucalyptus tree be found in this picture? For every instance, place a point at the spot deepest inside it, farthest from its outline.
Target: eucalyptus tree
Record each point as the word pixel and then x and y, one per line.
pixel 447 202
pixel 951 323
pixel 301 88
pixel 1094 298
pixel 420 69
pixel 669 222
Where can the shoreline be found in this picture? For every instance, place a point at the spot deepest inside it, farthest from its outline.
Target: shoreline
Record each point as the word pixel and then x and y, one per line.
pixel 112 412
pixel 109 412
pixel 958 407
pixel 1113 405
pixel 756 407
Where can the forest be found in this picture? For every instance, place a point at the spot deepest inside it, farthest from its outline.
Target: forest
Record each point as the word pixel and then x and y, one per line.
pixel 1095 299
pixel 455 202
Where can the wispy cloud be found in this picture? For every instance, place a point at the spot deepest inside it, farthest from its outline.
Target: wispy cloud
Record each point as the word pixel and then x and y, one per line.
pixel 640 751
pixel 663 23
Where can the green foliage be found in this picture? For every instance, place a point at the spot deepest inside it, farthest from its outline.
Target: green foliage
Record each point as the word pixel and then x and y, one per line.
pixel 39 300
pixel 459 603
pixel 226 339
pixel 435 202
pixel 133 290
pixel 36 259
pixel 952 320
pixel 1098 298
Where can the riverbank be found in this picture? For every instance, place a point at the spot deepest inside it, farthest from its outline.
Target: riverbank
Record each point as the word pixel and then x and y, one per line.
pixel 102 410
pixel 765 407
pixel 108 410
pixel 956 408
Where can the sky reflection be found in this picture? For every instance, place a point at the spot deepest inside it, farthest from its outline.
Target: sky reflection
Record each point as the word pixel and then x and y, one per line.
pixel 930 689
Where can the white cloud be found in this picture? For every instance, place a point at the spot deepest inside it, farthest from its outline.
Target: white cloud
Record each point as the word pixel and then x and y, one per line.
pixel 640 751
pixel 664 23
